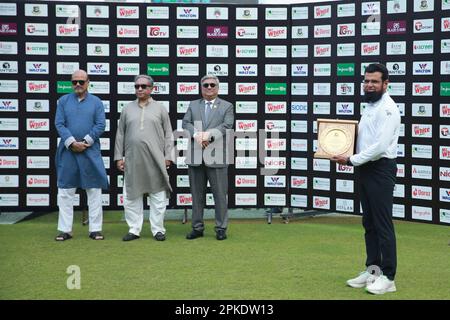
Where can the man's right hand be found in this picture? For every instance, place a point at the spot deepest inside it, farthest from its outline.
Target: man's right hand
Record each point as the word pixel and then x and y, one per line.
pixel 120 165
pixel 78 146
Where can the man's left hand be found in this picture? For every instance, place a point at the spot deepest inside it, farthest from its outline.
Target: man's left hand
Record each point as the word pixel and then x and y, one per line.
pixel 168 163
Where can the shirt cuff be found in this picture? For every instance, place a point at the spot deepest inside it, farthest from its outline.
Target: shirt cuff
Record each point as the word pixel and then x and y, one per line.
pixel 89 140
pixel 69 141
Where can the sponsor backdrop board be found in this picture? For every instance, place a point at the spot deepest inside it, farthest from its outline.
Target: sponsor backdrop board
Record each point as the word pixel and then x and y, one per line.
pixel 281 66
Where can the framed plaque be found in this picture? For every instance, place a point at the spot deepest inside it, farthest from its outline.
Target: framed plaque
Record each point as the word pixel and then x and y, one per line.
pixel 335 138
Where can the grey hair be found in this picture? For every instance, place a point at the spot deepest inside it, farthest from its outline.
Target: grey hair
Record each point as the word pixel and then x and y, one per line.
pixel 148 78
pixel 210 76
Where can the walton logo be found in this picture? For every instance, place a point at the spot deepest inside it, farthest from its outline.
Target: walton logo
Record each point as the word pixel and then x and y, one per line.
pixel 127 50
pixel 418 131
pixel 37 87
pixel 419 89
pixel 187 51
pixel 36 125
pixel 274 33
pixel 345 108
pixel 123 12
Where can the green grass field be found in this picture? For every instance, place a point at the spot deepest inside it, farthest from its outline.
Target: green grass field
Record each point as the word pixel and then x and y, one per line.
pixel 308 258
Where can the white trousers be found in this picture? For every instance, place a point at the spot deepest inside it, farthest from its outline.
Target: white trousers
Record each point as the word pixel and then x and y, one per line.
pixel 66 198
pixel 134 212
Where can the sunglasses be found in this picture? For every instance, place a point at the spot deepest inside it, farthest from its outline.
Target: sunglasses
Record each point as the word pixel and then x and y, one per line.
pixel 143 86
pixel 81 82
pixel 206 85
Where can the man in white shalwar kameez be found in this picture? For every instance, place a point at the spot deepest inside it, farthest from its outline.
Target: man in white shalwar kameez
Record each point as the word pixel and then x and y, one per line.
pixel 144 151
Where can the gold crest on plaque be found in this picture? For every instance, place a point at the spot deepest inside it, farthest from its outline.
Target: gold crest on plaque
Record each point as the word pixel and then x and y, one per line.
pixel 335 137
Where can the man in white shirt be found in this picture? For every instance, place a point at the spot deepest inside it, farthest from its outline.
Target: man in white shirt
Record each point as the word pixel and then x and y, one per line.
pixel 376 153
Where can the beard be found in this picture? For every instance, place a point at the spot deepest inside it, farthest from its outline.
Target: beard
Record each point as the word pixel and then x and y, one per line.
pixel 372 96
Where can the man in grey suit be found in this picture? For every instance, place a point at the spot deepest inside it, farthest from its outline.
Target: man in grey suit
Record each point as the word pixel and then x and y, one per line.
pixel 208 120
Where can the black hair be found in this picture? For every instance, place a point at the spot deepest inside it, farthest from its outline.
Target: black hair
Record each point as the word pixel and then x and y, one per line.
pixel 378 67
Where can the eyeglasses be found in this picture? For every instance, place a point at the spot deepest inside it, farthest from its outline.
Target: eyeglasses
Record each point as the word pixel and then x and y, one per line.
pixel 143 86
pixel 82 82
pixel 206 85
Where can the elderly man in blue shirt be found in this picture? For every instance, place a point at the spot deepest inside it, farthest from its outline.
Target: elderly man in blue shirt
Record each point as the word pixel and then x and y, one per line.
pixel 80 121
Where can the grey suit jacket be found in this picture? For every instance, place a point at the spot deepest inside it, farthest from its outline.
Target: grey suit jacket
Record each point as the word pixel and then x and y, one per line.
pixel 220 120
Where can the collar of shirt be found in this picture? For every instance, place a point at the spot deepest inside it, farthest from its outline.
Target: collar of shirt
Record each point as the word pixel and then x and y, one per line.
pixel 145 105
pixel 212 102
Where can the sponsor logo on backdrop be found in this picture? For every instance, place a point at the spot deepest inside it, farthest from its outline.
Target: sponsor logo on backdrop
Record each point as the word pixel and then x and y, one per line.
pixel 219 32
pixel 34 10
pixel 300 32
pixel 187 13
pixel 299 51
pixel 128 31
pixel 323 31
pixel 246 13
pixel 157 31
pixel 245 199
pixel 127 12
pixel 396 27
pixel 422 213
pixel 421 172
pixel 246 32
pixel 9 105
pixel 216 13
pixel 423 26
pixel 346 30
pixel 158 12
pixel 97 11
pixel 245 181
pixel 8 28
pixel 299 182
pixel 321 12
pixel 321 202
pixel 275 181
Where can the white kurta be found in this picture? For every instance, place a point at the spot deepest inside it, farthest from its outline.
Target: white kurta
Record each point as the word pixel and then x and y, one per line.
pixel 145 139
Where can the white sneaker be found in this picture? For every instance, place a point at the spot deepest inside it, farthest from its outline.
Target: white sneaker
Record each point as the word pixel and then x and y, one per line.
pixel 381 285
pixel 364 279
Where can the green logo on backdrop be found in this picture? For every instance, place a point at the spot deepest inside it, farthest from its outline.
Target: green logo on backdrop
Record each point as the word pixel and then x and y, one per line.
pixel 64 87
pixel 158 69
pixel 445 88
pixel 346 69
pixel 276 88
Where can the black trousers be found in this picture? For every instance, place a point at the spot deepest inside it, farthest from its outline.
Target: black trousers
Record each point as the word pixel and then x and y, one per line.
pixel 376 183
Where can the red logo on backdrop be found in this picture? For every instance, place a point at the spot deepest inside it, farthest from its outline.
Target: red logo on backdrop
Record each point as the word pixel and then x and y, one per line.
pixel 220 32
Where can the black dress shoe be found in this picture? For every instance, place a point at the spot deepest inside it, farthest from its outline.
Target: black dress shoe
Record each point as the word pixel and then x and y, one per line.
pixel 160 236
pixel 221 235
pixel 130 236
pixel 194 234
